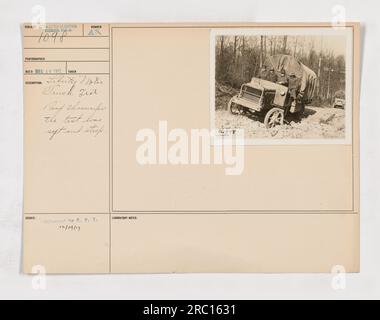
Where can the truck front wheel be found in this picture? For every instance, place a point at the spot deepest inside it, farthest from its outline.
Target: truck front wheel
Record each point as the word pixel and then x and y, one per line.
pixel 274 117
pixel 233 107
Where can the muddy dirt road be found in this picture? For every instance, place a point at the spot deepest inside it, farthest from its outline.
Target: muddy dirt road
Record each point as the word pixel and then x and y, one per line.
pixel 317 123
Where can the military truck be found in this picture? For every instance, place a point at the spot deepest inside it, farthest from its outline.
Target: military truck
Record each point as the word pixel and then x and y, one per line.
pixel 273 100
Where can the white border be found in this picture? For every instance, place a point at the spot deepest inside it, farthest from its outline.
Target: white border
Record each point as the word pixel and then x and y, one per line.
pixel 331 31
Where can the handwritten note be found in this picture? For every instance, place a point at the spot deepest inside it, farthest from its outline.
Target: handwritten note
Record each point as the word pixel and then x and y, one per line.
pixel 71 224
pixel 74 106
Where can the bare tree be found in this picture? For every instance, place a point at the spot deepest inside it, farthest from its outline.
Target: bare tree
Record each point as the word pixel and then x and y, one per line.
pixel 261 51
pixel 265 47
pixel 222 47
pixel 285 44
pixel 235 49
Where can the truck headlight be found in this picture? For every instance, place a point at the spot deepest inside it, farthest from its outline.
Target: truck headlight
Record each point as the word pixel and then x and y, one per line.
pixel 282 93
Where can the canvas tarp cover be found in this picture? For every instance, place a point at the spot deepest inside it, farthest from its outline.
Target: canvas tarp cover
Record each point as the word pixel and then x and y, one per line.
pixel 307 77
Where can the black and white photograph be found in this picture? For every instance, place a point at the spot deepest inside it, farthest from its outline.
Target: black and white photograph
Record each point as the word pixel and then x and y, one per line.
pixel 283 84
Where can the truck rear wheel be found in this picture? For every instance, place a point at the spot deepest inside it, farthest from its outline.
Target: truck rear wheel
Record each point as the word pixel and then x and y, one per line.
pixel 273 118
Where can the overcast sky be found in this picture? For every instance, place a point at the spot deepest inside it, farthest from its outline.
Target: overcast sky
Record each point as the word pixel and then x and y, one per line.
pixel 336 44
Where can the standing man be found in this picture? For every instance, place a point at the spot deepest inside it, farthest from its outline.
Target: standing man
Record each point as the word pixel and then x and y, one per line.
pixel 263 73
pixel 272 77
pixel 293 88
pixel 283 79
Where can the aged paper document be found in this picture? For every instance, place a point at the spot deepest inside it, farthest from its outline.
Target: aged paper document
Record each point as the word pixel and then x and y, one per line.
pixel 178 148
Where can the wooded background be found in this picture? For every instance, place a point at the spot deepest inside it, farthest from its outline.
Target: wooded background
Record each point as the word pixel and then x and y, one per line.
pixel 239 58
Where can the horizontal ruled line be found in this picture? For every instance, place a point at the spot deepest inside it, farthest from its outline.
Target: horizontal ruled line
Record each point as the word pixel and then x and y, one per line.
pixel 70 37
pixel 62 74
pixel 243 212
pixel 65 213
pixel 57 48
pixel 39 61
pixel 197 213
